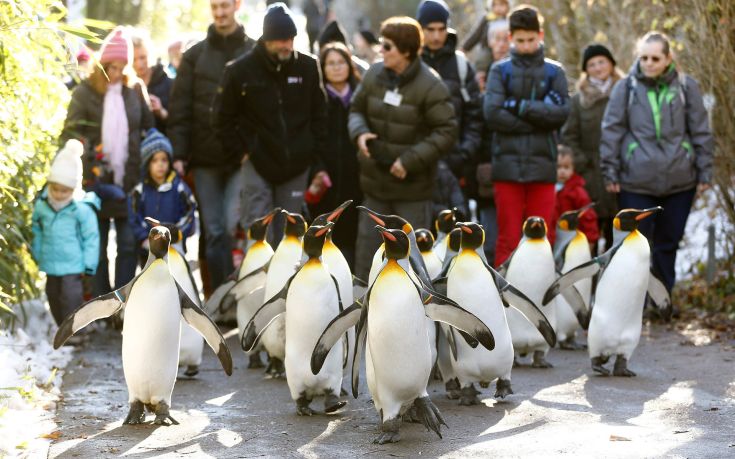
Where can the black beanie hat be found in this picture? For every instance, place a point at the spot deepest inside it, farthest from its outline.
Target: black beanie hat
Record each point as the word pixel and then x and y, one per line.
pixel 369 37
pixel 333 31
pixel 278 23
pixel 432 11
pixel 593 50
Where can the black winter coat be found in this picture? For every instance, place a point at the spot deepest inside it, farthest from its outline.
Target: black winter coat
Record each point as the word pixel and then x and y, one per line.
pixel 197 79
pixel 276 112
pixel 160 86
pixel 469 114
pixel 524 147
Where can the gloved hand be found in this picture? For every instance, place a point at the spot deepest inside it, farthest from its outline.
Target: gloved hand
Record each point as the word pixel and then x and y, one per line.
pixel 515 106
pixel 553 98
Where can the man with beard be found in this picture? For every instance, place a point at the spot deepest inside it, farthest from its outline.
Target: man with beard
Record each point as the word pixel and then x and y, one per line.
pixel 271 110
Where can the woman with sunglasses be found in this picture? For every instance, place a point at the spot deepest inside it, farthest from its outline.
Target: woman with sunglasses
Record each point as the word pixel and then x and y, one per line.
pixel 656 147
pixel 109 113
pixel 402 121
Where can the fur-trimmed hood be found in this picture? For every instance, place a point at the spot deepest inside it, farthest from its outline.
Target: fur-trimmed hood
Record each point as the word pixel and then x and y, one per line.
pixel 589 94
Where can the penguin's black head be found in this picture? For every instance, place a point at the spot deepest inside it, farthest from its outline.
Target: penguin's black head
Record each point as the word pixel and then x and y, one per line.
pixel 424 239
pixel 628 219
pixel 445 221
pixel 569 221
pixel 396 242
pixel 174 230
pixel 295 224
pixel 455 239
pixel 459 216
pixel 388 221
pixel 332 216
pixel 314 239
pixel 259 228
pixel 534 228
pixel 159 238
pixel 472 235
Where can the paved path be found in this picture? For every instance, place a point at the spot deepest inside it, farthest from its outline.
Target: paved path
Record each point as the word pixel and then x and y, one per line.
pixel 682 404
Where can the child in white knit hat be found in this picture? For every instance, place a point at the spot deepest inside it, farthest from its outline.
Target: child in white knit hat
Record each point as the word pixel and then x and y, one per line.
pixel 66 240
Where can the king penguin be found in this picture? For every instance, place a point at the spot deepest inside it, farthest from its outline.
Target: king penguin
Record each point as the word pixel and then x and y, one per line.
pixel 285 262
pixel 531 270
pixel 571 249
pixel 481 290
pixel 392 330
pixel 443 225
pixel 154 304
pixel 623 279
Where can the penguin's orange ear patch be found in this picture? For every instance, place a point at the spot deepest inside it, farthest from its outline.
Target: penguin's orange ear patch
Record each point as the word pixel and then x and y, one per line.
pixel 466 229
pixel 389 236
pixel 321 232
pixel 448 216
pixel 291 219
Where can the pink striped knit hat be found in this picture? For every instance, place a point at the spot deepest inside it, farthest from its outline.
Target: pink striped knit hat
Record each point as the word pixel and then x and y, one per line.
pixel 117 46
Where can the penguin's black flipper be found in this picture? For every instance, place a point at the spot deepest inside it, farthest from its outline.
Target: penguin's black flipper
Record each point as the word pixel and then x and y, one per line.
pixel 357 282
pixel 334 331
pixel 360 338
pixel 440 285
pixel 659 295
pixel 99 308
pixel 575 300
pixel 272 308
pixel 201 322
pixel 213 302
pixel 449 334
pixel 571 277
pixel 511 296
pixel 442 309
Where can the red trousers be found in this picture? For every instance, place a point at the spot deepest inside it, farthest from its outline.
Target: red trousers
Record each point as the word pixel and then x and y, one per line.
pixel 515 202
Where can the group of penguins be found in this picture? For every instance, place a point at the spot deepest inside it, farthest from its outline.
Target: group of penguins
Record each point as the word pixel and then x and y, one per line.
pixel 429 307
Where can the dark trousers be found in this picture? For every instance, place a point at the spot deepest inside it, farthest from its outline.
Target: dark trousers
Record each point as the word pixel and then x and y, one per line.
pixel 606 228
pixel 664 230
pixel 489 221
pixel 417 213
pixel 65 294
pixel 125 260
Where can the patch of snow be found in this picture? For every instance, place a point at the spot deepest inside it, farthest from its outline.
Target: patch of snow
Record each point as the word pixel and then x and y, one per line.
pixel 29 383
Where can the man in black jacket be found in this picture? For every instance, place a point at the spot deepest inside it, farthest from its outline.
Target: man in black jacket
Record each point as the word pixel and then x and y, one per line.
pixel 439 52
pixel 216 171
pixel 271 108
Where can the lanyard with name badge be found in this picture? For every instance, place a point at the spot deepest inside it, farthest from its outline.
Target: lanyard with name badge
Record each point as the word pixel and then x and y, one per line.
pixel 392 97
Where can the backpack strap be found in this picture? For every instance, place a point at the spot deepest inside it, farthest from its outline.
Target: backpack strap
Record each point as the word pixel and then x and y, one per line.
pixel 462 70
pixel 550 72
pixel 506 68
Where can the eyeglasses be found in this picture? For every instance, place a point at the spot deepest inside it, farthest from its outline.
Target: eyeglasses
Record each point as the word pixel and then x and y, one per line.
pixel 653 59
pixel 387 47
pixel 335 64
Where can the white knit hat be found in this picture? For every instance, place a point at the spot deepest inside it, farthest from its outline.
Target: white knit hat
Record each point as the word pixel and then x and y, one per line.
pixel 66 169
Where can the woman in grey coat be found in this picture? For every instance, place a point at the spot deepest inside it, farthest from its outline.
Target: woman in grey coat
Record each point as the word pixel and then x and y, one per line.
pixel 657 147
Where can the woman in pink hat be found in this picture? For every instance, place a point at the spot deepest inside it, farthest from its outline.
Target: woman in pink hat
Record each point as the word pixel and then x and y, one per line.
pixel 109 112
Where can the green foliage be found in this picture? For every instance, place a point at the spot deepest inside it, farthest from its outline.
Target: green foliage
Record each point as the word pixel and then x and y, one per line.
pixel 33 60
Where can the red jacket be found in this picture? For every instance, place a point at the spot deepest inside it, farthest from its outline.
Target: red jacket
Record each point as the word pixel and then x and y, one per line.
pixel 572 197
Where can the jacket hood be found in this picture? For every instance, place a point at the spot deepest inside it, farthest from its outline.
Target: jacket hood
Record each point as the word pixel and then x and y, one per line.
pixel 393 80
pixel 230 41
pixel 589 94
pixel 80 196
pixel 666 78
pixel 158 73
pixel 575 181
pixel 529 60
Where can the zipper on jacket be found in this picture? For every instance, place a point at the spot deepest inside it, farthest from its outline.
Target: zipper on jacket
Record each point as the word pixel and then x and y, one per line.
pixel 656 97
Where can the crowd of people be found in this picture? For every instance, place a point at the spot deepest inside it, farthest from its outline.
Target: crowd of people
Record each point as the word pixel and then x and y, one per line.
pixel 406 124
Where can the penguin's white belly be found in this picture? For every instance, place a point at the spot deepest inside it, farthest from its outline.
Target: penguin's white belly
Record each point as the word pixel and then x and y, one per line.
pixel 283 266
pixel 433 264
pixel 192 343
pixel 310 307
pixel 531 271
pixel 376 264
pixel 577 253
pixel 566 321
pixel 151 333
pixel 248 300
pixel 440 248
pixel 340 269
pixel 615 327
pixel 398 359
pixel 472 287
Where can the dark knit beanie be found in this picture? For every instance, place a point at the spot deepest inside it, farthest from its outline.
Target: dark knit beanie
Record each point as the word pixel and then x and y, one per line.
pixel 432 11
pixel 369 37
pixel 278 23
pixel 594 50
pixel 332 32
pixel 154 142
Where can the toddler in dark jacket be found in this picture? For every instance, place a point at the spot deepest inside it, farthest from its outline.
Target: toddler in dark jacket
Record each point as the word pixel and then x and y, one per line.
pixel 571 195
pixel 161 195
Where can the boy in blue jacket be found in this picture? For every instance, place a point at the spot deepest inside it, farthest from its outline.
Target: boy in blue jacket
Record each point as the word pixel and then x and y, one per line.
pixel 161 195
pixel 66 239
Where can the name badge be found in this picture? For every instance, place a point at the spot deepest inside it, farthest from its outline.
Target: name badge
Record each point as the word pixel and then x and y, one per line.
pixel 392 98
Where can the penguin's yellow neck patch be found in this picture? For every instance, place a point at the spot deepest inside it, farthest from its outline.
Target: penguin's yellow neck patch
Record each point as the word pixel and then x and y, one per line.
pixel 579 238
pixel 464 253
pixel 329 245
pixel 291 240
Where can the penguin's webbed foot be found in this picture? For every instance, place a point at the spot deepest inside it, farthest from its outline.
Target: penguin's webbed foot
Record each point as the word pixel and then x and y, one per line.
pixel 429 415
pixel 191 370
pixel 621 367
pixel 136 415
pixel 597 366
pixel 503 388
pixel 452 387
pixel 302 406
pixel 332 403
pixel 484 384
pixel 388 432
pixel 469 396
pixel 254 361
pixel 571 344
pixel 276 369
pixel 163 417
pixel 539 360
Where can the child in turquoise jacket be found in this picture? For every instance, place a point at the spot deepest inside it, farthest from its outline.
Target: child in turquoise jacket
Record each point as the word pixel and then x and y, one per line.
pixel 66 240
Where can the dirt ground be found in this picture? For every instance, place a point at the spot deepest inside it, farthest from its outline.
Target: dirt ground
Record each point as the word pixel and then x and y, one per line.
pixel 682 404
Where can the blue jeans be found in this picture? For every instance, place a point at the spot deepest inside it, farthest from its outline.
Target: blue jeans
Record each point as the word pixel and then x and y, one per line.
pixel 489 221
pixel 663 230
pixel 125 260
pixel 218 195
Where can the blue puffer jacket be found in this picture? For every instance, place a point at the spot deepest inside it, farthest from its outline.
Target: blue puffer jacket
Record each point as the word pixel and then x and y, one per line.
pixel 67 241
pixel 172 202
